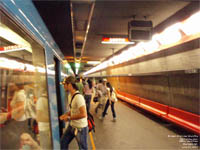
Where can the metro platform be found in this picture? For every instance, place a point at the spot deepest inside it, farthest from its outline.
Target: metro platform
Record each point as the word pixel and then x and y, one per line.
pixel 136 129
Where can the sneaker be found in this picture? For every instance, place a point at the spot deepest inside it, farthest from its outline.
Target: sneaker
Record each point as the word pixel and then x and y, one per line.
pixel 114 119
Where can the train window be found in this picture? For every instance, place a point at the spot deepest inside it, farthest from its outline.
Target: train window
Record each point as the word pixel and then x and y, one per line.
pixel 24 111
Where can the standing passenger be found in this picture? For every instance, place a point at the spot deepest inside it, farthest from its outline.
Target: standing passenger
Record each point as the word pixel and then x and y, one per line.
pixel 88 90
pixel 78 126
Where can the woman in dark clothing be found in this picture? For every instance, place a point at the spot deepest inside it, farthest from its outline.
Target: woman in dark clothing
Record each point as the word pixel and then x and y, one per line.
pixel 109 102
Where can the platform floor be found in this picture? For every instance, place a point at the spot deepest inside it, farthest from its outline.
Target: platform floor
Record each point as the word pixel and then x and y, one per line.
pixel 135 129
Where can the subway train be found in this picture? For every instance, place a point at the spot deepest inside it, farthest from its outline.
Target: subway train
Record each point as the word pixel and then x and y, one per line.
pixel 164 81
pixel 32 66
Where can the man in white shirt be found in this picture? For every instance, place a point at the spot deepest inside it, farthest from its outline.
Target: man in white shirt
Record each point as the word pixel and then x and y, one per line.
pixel 78 126
pixel 104 94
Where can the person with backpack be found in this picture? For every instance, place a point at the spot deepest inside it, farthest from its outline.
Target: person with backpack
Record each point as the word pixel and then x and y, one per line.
pixel 110 101
pixel 78 125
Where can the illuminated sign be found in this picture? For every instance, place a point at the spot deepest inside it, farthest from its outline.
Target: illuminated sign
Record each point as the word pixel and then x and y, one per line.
pixel 11 48
pixel 107 40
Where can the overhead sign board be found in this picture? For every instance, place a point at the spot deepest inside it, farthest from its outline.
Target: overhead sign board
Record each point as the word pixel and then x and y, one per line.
pixel 112 40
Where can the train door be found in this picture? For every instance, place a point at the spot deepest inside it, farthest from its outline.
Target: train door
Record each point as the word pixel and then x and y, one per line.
pixel 24 111
pixel 60 103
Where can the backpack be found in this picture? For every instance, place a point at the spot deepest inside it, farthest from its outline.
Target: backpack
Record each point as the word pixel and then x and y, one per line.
pixel 90 118
pixel 91 124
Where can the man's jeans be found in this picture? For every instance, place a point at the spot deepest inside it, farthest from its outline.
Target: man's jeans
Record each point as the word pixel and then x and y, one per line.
pixel 81 138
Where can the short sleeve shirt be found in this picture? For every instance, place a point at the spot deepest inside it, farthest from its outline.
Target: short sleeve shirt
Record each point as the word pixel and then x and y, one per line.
pixel 19 96
pixel 42 105
pixel 78 102
pixel 102 88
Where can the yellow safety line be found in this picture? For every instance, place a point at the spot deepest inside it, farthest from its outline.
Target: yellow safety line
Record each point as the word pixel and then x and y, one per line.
pixel 92 141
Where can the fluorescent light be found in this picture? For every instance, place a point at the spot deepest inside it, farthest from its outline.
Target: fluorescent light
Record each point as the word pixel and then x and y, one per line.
pixel 76 70
pixel 139 50
pixel 116 59
pixel 8 64
pixel 40 69
pixel 93 62
pixel 67 66
pixel 77 65
pixel 191 25
pixel 170 35
pixel 151 46
pixel 30 68
pixel 51 72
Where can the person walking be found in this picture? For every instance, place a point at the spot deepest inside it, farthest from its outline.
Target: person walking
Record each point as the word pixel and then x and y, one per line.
pixel 101 88
pixel 110 101
pixel 78 125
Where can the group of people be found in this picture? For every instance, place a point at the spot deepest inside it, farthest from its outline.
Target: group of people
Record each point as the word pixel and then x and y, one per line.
pixel 104 92
pixel 79 100
pixel 80 95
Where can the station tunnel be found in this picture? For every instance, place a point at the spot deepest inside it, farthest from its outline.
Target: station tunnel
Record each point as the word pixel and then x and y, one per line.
pixel 149 51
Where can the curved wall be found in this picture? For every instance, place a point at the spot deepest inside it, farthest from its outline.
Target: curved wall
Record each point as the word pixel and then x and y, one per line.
pixel 179 90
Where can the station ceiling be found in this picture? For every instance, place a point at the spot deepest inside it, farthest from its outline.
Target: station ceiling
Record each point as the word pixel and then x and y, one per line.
pixel 78 26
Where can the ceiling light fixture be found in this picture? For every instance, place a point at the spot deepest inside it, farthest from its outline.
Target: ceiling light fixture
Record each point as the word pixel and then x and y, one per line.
pixel 67 66
pixel 77 65
pixel 93 62
pixel 107 40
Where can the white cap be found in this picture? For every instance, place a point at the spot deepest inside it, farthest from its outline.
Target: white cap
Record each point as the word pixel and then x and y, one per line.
pixel 104 80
